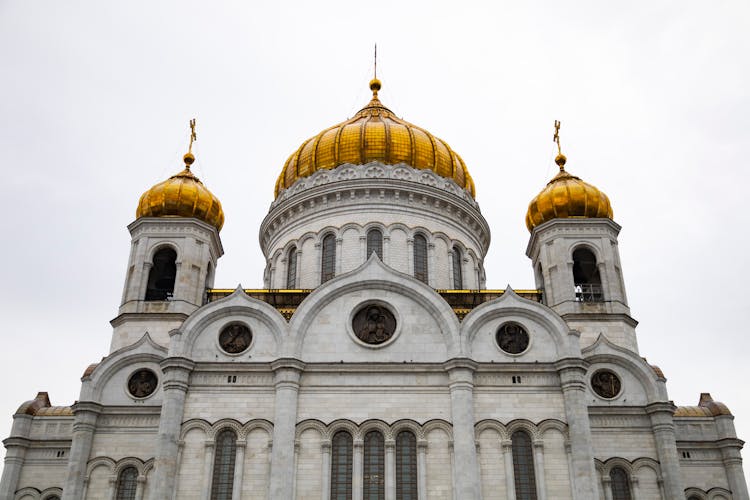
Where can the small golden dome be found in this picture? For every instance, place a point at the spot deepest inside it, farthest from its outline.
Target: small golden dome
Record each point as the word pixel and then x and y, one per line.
pixel 567 196
pixel 375 133
pixel 182 195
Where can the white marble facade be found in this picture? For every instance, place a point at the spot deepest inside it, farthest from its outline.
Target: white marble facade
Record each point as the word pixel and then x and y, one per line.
pixel 306 375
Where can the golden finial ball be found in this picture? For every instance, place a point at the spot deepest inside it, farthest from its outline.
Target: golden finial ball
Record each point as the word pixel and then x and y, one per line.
pixel 375 85
pixel 188 159
pixel 560 159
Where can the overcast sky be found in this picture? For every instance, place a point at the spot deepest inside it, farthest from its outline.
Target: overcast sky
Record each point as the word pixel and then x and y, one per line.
pixel 95 99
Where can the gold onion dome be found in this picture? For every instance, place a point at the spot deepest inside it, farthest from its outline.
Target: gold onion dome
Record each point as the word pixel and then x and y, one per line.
pixel 567 196
pixel 182 195
pixel 375 133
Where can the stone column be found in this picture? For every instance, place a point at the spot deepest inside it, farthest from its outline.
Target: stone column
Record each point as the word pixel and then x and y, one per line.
pixel 607 487
pixel 112 487
pixel 666 447
pixel 325 482
pixel 139 488
pixel 635 492
pixel 730 454
pixel 510 479
pixel 390 470
pixel 461 386
pixel 541 484
pixel 357 469
pixel 387 249
pixel 410 254
pixel 208 463
pixel 15 454
pixel 84 425
pixel 339 256
pixel 363 248
pixel 431 265
pixel 176 374
pixel 287 373
pixel 422 470
pixel 239 469
pixel 572 372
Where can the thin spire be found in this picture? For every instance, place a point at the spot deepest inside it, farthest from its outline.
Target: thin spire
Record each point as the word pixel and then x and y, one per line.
pixel 560 159
pixel 189 158
pixel 375 68
pixel 375 83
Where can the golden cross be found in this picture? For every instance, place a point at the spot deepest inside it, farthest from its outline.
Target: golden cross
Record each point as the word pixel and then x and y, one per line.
pixel 375 72
pixel 556 137
pixel 193 137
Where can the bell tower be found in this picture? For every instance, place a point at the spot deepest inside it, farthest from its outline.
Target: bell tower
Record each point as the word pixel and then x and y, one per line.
pixel 175 246
pixel 574 252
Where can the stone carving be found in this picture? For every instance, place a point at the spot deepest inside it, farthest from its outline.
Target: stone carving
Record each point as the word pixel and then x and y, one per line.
pixel 235 338
pixel 606 384
pixel 374 324
pixel 512 338
pixel 142 383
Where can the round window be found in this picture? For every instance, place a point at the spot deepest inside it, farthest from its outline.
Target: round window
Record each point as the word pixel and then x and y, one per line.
pixel 142 383
pixel 606 384
pixel 235 338
pixel 512 338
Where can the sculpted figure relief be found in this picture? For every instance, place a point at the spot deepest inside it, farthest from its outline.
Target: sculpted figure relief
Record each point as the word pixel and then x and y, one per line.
pixel 142 383
pixel 606 384
pixel 235 338
pixel 374 324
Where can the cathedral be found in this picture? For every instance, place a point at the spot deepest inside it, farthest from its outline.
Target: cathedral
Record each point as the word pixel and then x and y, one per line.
pixel 374 363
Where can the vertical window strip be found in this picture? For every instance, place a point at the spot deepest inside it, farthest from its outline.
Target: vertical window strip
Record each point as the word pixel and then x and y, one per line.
pixel 458 278
pixel 291 269
pixel 373 484
pixel 224 458
pixel 341 466
pixel 523 466
pixel 420 258
pixel 127 483
pixel 374 243
pixel 328 262
pixel 406 466
pixel 620 484
pixel 161 276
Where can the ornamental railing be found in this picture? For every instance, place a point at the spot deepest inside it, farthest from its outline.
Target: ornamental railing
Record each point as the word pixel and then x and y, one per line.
pixel 589 292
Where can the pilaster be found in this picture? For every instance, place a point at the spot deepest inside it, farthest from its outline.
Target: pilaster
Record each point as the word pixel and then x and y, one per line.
pixel 287 373
pixel 662 425
pixel 86 413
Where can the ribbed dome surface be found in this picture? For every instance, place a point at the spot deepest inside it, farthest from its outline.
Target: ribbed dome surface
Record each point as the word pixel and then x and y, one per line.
pixel 567 196
pixel 182 195
pixel 374 134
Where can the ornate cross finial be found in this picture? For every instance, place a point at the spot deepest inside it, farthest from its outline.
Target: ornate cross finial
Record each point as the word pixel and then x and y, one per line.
pixel 556 137
pixel 375 83
pixel 193 137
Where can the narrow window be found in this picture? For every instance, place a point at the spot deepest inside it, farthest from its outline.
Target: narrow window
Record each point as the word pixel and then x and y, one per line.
pixel 341 466
pixel 523 466
pixel 291 269
pixel 162 275
pixel 374 243
pixel 224 457
pixel 373 484
pixel 588 284
pixel 127 482
pixel 328 262
pixel 458 278
pixel 620 484
pixel 406 466
pixel 420 258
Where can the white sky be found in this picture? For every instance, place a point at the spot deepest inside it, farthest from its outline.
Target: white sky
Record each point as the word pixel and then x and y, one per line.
pixel 653 97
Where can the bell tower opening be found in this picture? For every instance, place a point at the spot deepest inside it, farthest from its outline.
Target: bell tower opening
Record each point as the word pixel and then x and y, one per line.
pixel 586 279
pixel 162 275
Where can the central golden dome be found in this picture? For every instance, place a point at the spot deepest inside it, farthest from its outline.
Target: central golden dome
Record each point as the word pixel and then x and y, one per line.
pixel 374 134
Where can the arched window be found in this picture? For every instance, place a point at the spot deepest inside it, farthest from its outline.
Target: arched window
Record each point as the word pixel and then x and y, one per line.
pixel 406 466
pixel 162 275
pixel 588 284
pixel 374 243
pixel 127 482
pixel 53 497
pixel 458 276
pixel 291 268
pixel 420 258
pixel 328 261
pixel 523 466
pixel 373 484
pixel 693 498
pixel 341 466
pixel 224 457
pixel 620 484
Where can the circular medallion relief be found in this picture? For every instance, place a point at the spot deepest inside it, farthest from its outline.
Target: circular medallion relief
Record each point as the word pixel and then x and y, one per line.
pixel 512 338
pixel 235 338
pixel 142 383
pixel 374 324
pixel 606 384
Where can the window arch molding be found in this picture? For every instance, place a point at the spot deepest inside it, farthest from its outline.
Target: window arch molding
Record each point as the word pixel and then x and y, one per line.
pixel 158 284
pixel 50 493
pixel 583 245
pixel 161 245
pixel 328 241
pixel 420 255
pixel 290 256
